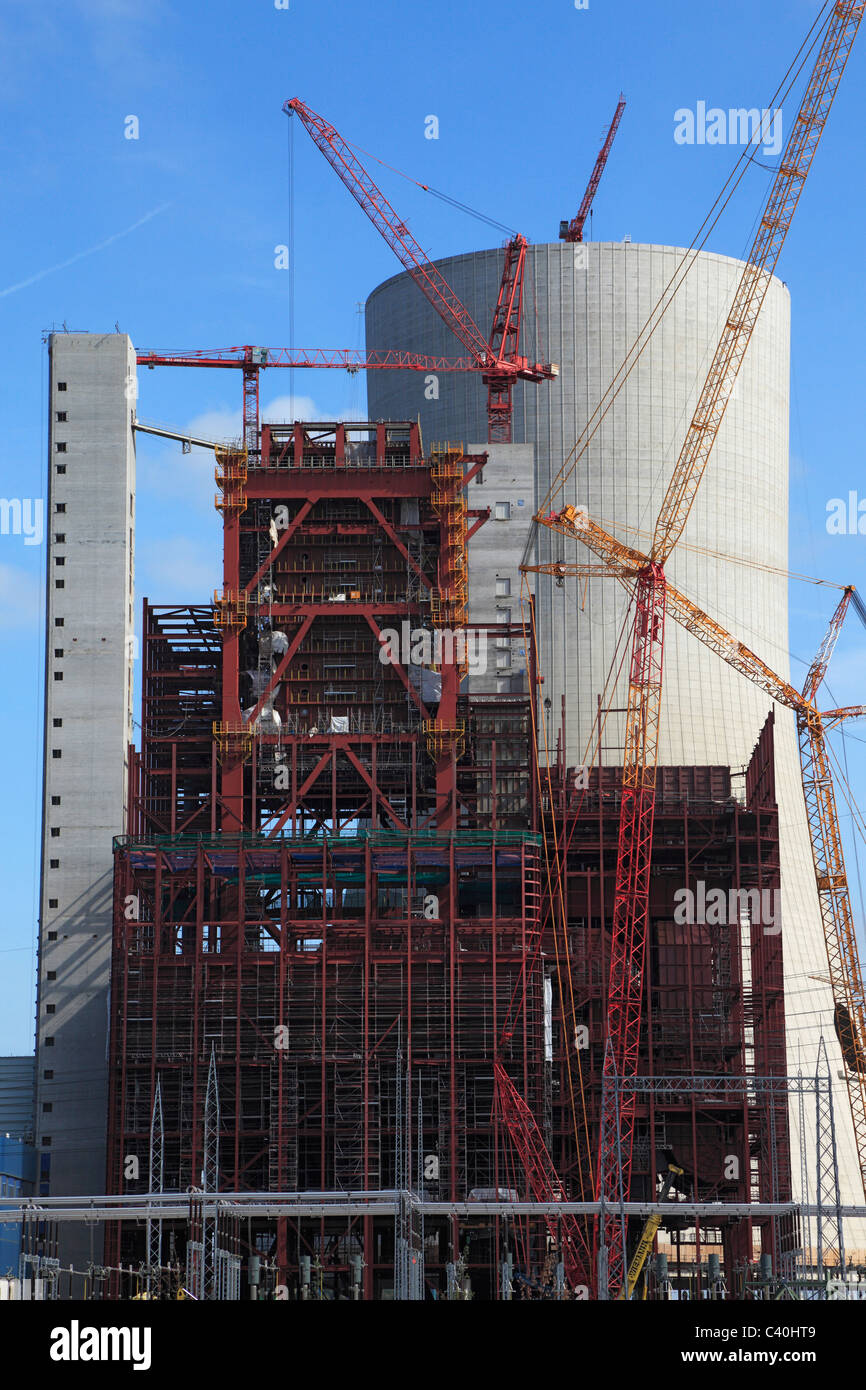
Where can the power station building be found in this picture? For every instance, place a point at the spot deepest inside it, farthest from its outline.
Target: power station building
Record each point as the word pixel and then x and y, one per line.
pixel 584 307
pixel 289 936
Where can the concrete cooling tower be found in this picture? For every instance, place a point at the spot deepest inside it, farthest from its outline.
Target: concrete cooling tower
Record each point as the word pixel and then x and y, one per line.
pixel 583 311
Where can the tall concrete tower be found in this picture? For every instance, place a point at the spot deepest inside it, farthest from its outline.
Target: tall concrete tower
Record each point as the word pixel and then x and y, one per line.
pixel 584 306
pixel 90 649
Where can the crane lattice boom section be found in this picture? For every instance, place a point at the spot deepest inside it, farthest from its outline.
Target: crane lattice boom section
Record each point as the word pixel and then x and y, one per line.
pixel 346 359
pixel 427 277
pixel 818 669
pixel 575 228
pixel 846 977
pixel 843 957
pixel 788 184
pixel 499 358
pixel 631 899
pixel 541 1175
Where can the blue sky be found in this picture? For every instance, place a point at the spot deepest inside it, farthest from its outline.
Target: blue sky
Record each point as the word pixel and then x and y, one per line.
pixel 523 96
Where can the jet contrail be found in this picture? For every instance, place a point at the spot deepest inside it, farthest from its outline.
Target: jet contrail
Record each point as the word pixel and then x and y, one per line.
pixel 79 255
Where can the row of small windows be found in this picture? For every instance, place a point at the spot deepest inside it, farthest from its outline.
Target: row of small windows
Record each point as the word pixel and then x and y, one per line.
pixel 57 753
pixel 51 975
pixel 59 539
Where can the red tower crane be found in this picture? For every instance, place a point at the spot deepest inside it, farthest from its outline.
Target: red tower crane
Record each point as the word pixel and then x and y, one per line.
pixel 573 230
pixel 253 360
pixel 630 925
pixel 499 356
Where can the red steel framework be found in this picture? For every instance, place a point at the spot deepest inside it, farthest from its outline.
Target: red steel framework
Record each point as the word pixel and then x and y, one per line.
pixel 326 843
pixel 712 1001
pixel 365 889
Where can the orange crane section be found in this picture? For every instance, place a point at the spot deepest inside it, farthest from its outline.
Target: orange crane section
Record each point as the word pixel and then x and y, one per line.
pixel 843 957
pixel 631 897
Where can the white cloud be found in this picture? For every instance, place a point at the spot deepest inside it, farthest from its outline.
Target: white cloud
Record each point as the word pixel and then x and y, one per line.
pixel 129 40
pixel 179 569
pixel 80 255
pixel 845 679
pixel 20 598
pixel 114 9
pixel 284 408
pixel 189 478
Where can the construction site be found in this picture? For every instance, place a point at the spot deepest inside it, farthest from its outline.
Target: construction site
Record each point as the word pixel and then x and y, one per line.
pixel 444 901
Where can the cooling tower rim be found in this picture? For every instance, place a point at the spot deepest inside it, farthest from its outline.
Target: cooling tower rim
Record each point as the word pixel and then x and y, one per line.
pixel 624 246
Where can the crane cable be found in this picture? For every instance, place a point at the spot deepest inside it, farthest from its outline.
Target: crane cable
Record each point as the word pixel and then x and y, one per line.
pixel 559 890
pixel 664 303
pixel 591 748
pixel 857 820
pixel 437 193
pixel 762 565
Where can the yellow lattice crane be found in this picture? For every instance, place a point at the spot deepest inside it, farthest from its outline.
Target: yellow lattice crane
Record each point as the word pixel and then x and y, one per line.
pixel 845 974
pixel 649 1232
pixel 653 595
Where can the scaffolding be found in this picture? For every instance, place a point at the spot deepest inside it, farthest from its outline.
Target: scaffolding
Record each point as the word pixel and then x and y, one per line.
pixel 335 886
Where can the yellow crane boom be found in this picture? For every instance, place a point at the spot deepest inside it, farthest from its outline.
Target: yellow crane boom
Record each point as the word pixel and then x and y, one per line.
pixel 648 1234
pixel 630 916
pixel 843 957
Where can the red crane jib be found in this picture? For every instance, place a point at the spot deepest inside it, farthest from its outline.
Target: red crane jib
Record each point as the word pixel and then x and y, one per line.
pixel 573 231
pixel 499 356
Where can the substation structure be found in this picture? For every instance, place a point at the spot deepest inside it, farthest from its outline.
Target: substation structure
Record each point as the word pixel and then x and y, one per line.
pixel 340 875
